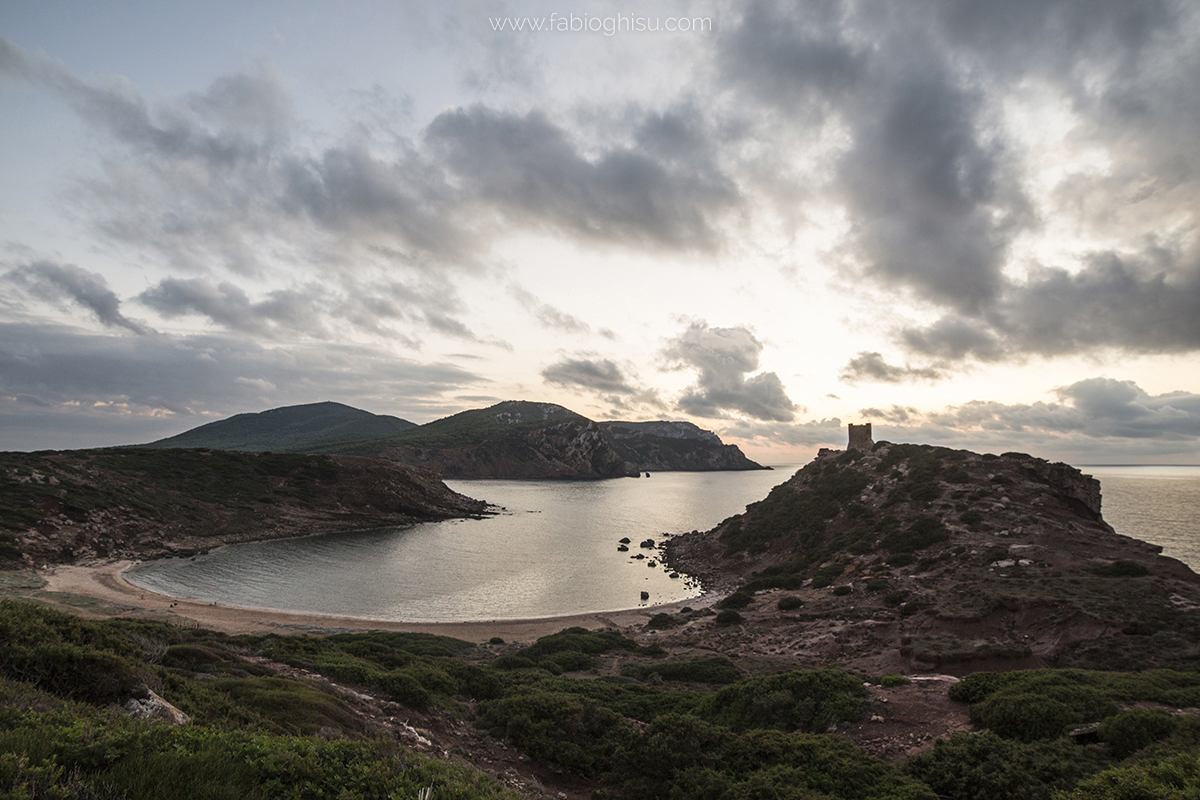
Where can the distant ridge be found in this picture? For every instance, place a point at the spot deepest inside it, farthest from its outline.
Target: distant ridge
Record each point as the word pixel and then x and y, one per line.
pixel 512 439
pixel 302 428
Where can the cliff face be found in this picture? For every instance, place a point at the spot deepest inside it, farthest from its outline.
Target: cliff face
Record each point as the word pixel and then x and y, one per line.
pixel 570 450
pixel 953 560
pixel 668 446
pixel 142 503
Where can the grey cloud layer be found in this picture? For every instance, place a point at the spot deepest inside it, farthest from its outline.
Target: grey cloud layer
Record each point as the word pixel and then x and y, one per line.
pixel 54 282
pixel 937 188
pixel 62 372
pixel 1094 408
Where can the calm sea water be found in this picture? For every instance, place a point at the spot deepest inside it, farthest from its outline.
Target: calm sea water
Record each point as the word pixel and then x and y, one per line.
pixel 1155 504
pixel 553 551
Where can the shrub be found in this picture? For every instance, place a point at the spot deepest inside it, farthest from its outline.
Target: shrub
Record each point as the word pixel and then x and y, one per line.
pixel 789 603
pixel 808 701
pixel 1121 569
pixel 738 599
pixel 895 597
pixel 1128 732
pixel 661 621
pixel 495 640
pixel 716 670
pixel 894 680
pixel 729 617
pixel 987 767
pixel 842 591
pixel 877 585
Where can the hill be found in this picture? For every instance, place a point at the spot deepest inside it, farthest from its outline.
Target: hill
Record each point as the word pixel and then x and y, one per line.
pixel 512 439
pixel 146 502
pixel 671 446
pixel 289 429
pixel 920 557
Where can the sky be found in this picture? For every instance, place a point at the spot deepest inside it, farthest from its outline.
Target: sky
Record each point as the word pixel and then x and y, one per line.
pixel 970 224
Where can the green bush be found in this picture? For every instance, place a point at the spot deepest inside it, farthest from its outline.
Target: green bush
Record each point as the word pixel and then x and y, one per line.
pixel 987 767
pixel 807 701
pixel 716 670
pixel 729 617
pixel 1130 731
pixel 789 603
pixel 843 590
pixel 895 597
pixel 737 600
pixel 1169 776
pixel 894 680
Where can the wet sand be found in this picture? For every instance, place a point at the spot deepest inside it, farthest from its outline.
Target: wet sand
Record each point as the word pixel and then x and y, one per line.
pixel 105 583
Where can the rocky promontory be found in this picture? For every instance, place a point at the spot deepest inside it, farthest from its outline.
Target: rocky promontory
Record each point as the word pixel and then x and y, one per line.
pixel 904 557
pixel 141 502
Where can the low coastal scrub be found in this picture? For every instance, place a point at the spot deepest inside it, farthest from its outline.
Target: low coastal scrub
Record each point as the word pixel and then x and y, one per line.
pixel 662 728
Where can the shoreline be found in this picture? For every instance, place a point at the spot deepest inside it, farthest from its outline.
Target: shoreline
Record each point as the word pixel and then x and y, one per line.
pixel 104 582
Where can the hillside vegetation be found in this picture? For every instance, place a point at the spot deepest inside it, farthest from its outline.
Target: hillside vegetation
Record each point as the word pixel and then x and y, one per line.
pixel 84 710
pixel 142 502
pixel 513 439
pixel 931 557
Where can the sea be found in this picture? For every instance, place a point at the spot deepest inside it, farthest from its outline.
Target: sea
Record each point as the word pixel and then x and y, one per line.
pixel 552 548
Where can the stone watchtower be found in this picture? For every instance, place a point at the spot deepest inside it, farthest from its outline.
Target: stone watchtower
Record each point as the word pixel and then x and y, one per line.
pixel 860 438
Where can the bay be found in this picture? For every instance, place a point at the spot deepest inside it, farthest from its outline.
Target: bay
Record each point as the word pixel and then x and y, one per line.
pixel 551 551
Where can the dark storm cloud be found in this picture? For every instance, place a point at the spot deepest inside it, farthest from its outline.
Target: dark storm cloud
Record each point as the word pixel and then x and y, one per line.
pixel 723 357
pixel 936 185
pixel 920 176
pixel 529 169
pixel 871 366
pixel 62 373
pixel 1138 304
pixel 51 281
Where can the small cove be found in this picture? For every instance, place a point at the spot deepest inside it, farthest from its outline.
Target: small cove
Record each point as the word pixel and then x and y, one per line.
pixel 553 550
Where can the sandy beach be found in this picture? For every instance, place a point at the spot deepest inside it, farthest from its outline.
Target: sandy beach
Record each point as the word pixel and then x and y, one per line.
pixel 104 582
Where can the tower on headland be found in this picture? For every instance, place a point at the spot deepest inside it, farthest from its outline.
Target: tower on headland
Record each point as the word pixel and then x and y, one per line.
pixel 860 438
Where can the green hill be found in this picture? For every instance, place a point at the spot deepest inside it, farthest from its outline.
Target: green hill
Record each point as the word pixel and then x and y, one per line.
pixel 512 439
pixel 305 428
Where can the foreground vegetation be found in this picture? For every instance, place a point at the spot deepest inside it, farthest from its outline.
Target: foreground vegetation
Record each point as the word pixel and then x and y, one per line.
pixel 631 719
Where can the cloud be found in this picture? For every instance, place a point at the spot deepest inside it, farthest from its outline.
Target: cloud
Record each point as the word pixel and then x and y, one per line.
pixel 1136 303
pixel 52 282
pixel 547 315
pixel 943 180
pixel 529 170
pixel 723 357
pixel 1091 408
pixel 227 305
pixel 61 372
pixel 601 375
pixel 871 366
pixel 604 378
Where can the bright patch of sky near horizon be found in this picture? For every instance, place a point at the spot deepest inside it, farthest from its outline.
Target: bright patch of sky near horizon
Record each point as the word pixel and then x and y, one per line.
pixel 973 226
